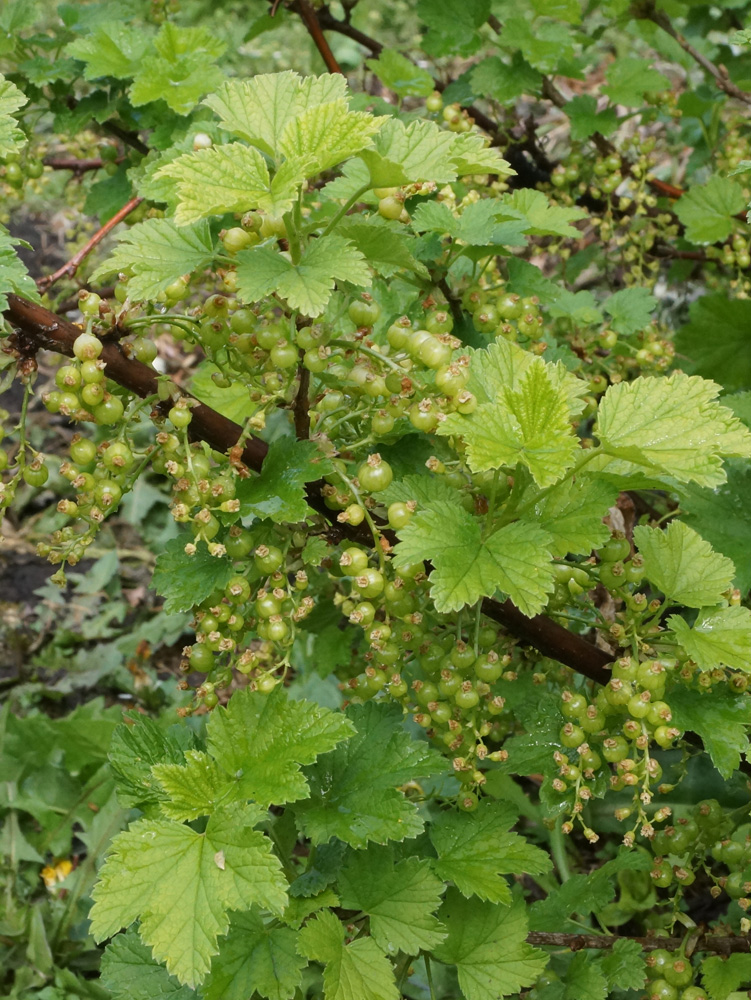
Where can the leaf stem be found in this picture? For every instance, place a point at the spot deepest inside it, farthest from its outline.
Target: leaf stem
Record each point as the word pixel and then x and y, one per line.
pixel 345 208
pixel 429 975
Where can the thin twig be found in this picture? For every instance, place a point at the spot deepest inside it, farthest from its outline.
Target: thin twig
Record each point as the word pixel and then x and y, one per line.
pixel 302 405
pixel 719 73
pixel 43 284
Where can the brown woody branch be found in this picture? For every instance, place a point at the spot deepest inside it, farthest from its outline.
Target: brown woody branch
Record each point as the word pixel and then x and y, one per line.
pixel 309 16
pixel 43 329
pixel 704 942
pixel 76 165
pixel 77 259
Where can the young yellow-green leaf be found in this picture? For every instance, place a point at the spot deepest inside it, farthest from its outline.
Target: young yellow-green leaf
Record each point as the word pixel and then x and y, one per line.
pixel 195 787
pixel 402 153
pixel 721 719
pixel 182 71
pixel 720 637
pixel 355 792
pixel 400 899
pixel 707 211
pixel 471 154
pixel 401 75
pixel 475 850
pixel 487 944
pixel 572 514
pixel 278 492
pixel 527 424
pixel 544 218
pixel 673 425
pixel 180 83
pixel 684 566
pixel 503 364
pixel 255 960
pixel 186 580
pixel 259 741
pixel 180 885
pixel 326 134
pixel 258 109
pixel 307 285
pixel 515 559
pixel 129 971
pixel 114 48
pixel 231 178
pixel 355 971
pixel 11 99
pixel 156 253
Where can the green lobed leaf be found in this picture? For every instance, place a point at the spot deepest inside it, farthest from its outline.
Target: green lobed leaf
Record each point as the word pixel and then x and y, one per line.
pixel 325 134
pixel 630 309
pixel 180 884
pixel 623 965
pixel 401 75
pixel 721 516
pixel 707 211
pixel 582 980
pixel 544 217
pixel 476 849
pixel 629 79
pixel 129 970
pixel 260 741
pixel 156 253
pixel 138 743
pixel 515 559
pixel 14 278
pixel 255 959
pixel 185 580
pixel 278 493
pixel 259 108
pixel 420 151
pixel 527 424
pixel 400 899
pixel 182 71
pixel 505 81
pixel 720 719
pixel 586 119
pixel 232 401
pixel 719 637
pixel 472 154
pixel 385 246
pixel 672 424
pixel 307 285
pixel 196 786
pixel 355 971
pixel 11 100
pixel 231 178
pixel 355 789
pixel 572 514
pixel 544 44
pixel 487 944
pixel 584 894
pixel 113 48
pixel 684 566
pixel 502 365
pixel 723 976
pixel 724 356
